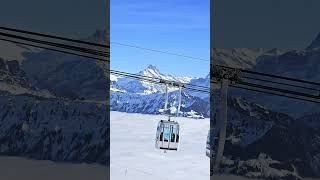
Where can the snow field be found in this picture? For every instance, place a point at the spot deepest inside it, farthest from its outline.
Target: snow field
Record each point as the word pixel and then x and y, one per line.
pixel 134 156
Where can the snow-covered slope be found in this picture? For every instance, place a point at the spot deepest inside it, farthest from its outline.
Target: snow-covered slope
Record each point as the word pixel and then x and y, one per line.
pixel 53 129
pixel 134 156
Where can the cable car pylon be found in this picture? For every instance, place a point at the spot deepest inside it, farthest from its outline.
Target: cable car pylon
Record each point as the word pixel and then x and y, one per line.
pixel 223 122
pixel 179 101
pixel 168 131
pixel 253 81
pixel 166 101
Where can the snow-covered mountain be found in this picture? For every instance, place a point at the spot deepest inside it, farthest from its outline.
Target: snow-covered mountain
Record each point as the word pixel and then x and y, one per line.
pixel 295 63
pixel 237 57
pixel 271 137
pixel 130 95
pixel 53 106
pixel 299 64
pixel 11 51
pixel 52 129
pixel 245 58
pixel 270 145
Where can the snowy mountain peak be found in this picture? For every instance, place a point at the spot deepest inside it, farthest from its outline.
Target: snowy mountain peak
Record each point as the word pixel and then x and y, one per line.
pixel 151 71
pixel 152 67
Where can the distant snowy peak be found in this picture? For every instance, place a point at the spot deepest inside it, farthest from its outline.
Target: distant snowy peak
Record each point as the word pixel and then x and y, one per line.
pixel 237 57
pixel 124 84
pixel 153 71
pixel 12 51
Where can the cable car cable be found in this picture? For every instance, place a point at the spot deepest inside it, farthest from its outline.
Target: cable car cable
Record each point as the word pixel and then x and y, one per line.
pixel 91 51
pixel 101 45
pixel 154 78
pixel 160 51
pixel 174 82
pixel 157 82
pixel 280 77
pixel 280 83
pixel 54 37
pixel 273 93
pixel 279 90
pixel 52 49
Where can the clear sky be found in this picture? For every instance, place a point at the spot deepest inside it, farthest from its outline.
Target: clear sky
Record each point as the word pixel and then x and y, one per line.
pixel 179 26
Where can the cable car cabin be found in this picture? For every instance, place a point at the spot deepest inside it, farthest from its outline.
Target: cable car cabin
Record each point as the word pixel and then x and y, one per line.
pixel 167 137
pixel 210 149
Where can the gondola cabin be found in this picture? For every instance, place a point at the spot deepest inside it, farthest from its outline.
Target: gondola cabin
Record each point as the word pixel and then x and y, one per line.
pixel 167 136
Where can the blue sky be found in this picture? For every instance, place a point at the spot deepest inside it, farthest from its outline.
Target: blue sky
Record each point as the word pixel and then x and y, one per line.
pixel 179 26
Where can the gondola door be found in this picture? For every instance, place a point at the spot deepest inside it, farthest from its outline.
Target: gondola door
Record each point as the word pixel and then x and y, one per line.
pixel 166 136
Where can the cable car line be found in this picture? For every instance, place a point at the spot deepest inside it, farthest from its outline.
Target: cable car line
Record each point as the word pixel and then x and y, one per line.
pixel 54 37
pixel 237 78
pixel 101 53
pixel 161 51
pixel 168 131
pixel 173 83
pixel 215 67
pixel 279 90
pixel 182 84
pixel 158 81
pixel 280 77
pixel 274 93
pixel 52 49
pixel 81 50
pixel 280 83
pixel 101 45
pixel 75 48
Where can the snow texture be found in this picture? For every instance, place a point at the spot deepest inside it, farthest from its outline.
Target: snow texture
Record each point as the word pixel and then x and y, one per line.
pixel 134 156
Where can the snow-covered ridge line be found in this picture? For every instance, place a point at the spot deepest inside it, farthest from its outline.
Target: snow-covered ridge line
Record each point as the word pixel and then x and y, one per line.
pixel 132 95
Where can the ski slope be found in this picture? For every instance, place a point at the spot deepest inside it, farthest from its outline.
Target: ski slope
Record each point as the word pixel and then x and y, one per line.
pixel 134 156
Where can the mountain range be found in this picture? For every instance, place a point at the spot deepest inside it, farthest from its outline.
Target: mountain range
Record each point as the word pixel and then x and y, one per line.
pixel 130 95
pixel 271 137
pixel 53 105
